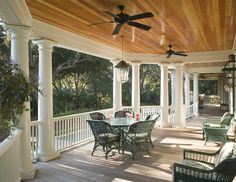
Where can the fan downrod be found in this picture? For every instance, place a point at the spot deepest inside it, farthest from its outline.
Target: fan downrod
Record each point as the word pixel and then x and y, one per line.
pixel 121 7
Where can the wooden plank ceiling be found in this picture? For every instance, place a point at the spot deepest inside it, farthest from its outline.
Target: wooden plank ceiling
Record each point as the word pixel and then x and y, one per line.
pixel 190 25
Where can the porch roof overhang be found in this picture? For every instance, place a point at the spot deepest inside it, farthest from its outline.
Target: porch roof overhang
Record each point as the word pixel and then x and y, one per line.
pixel 204 29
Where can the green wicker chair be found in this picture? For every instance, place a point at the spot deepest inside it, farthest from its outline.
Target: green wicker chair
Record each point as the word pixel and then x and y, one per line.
pixel 155 118
pixel 104 136
pixel 225 120
pixel 137 136
pixel 97 116
pixel 215 134
pixel 207 167
pixel 122 114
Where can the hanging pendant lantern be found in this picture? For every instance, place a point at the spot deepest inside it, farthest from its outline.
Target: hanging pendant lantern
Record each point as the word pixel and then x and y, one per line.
pixel 122 68
pixel 122 71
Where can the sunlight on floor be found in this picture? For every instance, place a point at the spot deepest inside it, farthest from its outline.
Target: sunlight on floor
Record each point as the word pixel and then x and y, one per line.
pixel 160 172
pixel 120 180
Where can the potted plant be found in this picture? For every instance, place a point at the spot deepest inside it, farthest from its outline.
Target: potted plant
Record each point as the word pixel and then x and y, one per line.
pixel 15 89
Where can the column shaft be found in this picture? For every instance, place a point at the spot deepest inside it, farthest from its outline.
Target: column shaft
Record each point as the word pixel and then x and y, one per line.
pixel 19 54
pixel 45 102
pixel 164 96
pixel 117 90
pixel 135 87
pixel 195 94
pixel 180 119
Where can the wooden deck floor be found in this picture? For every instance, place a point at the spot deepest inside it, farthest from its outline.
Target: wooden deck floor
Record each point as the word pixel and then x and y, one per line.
pixel 77 165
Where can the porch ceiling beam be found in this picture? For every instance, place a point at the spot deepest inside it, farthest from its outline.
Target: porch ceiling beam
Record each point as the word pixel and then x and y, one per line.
pixel 72 41
pixel 206 70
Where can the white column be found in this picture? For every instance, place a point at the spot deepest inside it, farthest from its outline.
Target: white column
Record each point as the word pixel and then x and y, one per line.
pixel 187 89
pixel 195 94
pixel 45 102
pixel 117 90
pixel 164 95
pixel 180 119
pixel 19 54
pixel 136 87
pixel 172 74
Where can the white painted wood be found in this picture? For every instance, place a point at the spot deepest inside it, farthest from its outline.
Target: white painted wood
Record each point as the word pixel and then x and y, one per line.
pixel 164 95
pixel 117 89
pixel 180 120
pixel 19 55
pixel 195 93
pixel 45 107
pixel 10 158
pixel 135 87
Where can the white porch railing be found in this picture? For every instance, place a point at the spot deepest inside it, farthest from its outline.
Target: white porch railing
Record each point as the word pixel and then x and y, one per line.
pixel 34 139
pixel 189 111
pixel 73 130
pixel 10 158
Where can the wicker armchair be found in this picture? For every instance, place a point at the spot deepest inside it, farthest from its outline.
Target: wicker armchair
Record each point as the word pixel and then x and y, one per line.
pixel 120 114
pixel 215 134
pixel 225 120
pixel 97 116
pixel 137 136
pixel 155 118
pixel 207 167
pixel 104 136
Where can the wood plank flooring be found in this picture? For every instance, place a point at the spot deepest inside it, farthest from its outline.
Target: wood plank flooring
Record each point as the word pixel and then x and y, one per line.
pixel 77 165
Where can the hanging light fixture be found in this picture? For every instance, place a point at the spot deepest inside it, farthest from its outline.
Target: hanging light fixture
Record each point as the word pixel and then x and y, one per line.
pixel 122 68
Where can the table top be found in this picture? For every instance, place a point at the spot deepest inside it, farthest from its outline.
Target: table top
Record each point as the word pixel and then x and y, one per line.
pixel 120 122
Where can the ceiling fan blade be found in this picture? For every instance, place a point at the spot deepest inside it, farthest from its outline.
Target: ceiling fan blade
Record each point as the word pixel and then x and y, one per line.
pixel 140 16
pixel 180 54
pixel 111 14
pixel 98 23
pixel 139 25
pixel 117 29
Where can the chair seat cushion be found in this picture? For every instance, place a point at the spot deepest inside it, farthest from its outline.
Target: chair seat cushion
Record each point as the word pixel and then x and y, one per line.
pixel 196 164
pixel 110 136
pixel 139 138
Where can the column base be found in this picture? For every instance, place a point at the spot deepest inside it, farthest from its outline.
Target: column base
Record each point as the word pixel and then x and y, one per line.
pixel 165 125
pixel 179 125
pixel 48 157
pixel 27 175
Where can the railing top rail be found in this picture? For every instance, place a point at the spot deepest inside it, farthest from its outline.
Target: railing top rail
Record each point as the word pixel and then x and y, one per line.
pixel 79 114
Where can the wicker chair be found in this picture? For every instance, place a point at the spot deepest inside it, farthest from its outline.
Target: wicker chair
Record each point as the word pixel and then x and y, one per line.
pixel 215 134
pixel 97 116
pixel 155 118
pixel 225 120
pixel 120 114
pixel 136 136
pixel 207 167
pixel 104 136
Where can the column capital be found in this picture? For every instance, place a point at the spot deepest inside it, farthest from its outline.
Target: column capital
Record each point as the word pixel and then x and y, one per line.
pixel 18 31
pixel 164 65
pixel 178 65
pixel 135 63
pixel 195 74
pixel 45 43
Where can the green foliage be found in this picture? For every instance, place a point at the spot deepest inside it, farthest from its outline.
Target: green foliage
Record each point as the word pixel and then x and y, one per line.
pixel 15 89
pixel 208 87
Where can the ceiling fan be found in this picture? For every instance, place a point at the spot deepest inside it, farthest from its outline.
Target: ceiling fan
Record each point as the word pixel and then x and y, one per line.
pixel 122 18
pixel 171 52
